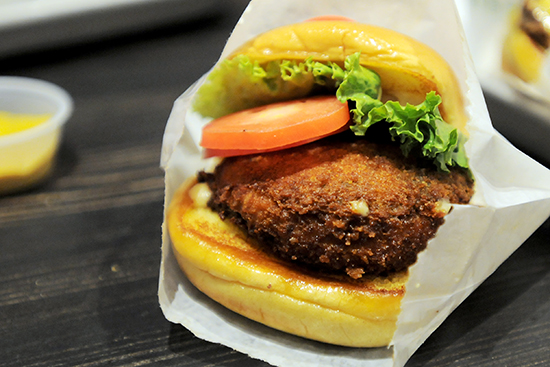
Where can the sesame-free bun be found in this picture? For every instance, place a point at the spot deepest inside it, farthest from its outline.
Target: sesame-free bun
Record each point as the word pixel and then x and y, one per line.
pixel 408 69
pixel 219 259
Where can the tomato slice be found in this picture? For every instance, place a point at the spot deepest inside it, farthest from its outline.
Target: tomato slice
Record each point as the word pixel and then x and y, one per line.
pixel 276 126
pixel 208 153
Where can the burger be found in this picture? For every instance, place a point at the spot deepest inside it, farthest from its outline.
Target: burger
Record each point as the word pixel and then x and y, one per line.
pixel 526 44
pixel 337 150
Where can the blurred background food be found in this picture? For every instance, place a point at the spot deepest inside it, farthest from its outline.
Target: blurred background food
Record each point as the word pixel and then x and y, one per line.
pixel 512 67
pixel 527 41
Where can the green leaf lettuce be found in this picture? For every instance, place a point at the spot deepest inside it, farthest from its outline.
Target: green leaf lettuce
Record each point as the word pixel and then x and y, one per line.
pixel 239 83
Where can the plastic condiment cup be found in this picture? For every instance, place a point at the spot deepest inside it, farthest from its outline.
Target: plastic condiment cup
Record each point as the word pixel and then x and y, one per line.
pixel 27 157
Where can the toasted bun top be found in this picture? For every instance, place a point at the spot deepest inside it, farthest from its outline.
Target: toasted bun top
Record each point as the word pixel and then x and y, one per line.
pixel 408 68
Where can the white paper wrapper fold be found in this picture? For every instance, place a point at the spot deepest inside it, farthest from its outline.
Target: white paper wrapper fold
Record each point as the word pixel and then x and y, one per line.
pixel 512 199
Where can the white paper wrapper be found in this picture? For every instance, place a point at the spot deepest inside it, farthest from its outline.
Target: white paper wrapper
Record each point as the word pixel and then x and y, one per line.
pixel 512 199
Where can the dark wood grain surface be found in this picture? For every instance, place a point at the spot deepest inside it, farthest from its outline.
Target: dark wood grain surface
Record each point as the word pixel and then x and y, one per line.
pixel 79 256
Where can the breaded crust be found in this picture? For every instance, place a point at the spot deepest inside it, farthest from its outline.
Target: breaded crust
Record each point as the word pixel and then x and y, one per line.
pixel 346 207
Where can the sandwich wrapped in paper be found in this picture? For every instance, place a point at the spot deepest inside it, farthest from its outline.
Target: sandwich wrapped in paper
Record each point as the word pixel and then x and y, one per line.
pixel 511 198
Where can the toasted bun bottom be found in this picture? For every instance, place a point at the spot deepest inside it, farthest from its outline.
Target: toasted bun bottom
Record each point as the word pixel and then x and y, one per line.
pixel 219 259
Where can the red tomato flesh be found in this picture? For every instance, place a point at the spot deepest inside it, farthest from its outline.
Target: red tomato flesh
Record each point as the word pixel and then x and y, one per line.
pixel 276 126
pixel 208 153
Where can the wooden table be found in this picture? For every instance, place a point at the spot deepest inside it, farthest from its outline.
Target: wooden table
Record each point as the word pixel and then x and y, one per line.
pixel 79 256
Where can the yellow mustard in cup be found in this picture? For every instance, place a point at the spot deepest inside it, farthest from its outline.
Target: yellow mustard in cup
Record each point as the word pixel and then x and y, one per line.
pixel 15 122
pixel 32 115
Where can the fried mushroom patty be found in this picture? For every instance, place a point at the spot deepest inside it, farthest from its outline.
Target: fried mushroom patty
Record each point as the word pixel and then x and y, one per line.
pixel 338 206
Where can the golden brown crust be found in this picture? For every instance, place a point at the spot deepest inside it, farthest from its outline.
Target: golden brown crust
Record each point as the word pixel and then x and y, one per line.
pixel 342 204
pixel 220 261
